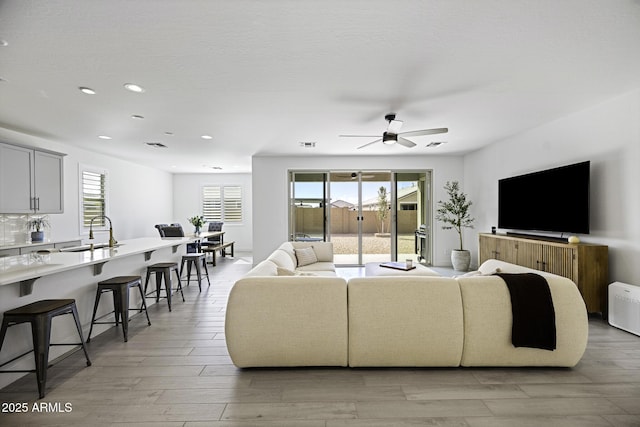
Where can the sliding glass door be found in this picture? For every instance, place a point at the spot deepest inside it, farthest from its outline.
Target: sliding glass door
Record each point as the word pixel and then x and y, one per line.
pixel 360 216
pixel 370 216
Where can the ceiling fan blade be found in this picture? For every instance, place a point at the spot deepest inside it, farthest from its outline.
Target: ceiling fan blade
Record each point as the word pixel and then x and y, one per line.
pixel 405 142
pixel 394 126
pixel 358 136
pixel 372 142
pixel 425 132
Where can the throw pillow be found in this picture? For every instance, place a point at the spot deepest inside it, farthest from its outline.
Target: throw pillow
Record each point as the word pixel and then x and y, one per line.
pixel 306 256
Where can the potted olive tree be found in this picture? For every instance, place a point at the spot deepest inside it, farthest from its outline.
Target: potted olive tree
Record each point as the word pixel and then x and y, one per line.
pixel 37 225
pixel 454 214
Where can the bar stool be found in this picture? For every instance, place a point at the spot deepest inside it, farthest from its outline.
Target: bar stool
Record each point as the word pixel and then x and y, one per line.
pixel 119 286
pixel 39 314
pixel 195 259
pixel 163 269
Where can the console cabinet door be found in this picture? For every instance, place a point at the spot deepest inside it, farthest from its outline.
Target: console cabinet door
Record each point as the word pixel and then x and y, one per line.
pixel 16 179
pixel 48 183
pixel 501 249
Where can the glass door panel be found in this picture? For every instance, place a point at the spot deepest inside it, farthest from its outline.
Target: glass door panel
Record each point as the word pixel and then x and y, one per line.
pixel 344 214
pixel 377 233
pixel 413 194
pixel 308 195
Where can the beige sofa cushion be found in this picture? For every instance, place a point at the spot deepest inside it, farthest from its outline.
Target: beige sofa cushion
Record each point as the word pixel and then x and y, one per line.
pixel 404 321
pixel 488 321
pixel 282 259
pixel 265 268
pixel 287 321
pixel 318 266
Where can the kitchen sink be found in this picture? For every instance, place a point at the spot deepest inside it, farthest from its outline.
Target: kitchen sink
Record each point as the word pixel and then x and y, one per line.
pixel 84 248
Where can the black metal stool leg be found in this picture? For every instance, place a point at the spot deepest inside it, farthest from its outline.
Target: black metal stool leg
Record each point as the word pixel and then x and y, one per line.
pixel 76 319
pixel 179 283
pixel 144 304
pixel 95 309
pixel 41 331
pixel 206 270
pixel 122 304
pixel 167 283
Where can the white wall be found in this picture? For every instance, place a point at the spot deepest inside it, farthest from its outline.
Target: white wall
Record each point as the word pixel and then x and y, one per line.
pixel 139 196
pixel 270 189
pixel 609 136
pixel 187 202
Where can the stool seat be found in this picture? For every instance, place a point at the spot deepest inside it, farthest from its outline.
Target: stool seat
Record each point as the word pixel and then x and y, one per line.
pixel 120 280
pixel 119 286
pixel 161 265
pixel 40 307
pixel 39 314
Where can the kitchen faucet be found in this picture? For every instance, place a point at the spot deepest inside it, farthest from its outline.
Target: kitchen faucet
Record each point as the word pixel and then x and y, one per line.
pixel 112 241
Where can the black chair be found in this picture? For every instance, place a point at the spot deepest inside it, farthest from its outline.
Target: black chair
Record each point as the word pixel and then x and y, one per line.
pixel 175 230
pixel 216 240
pixel 160 228
pixel 193 256
pixel 39 314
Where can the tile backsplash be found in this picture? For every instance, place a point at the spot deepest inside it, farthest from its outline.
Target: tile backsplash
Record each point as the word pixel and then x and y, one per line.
pixel 13 229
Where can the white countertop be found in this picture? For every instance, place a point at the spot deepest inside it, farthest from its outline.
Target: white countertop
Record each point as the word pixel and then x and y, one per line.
pixel 36 244
pixel 19 268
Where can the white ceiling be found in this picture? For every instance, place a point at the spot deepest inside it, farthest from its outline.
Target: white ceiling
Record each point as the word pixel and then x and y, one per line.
pixel 263 76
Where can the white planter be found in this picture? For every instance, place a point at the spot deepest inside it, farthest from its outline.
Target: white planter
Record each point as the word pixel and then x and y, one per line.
pixel 460 259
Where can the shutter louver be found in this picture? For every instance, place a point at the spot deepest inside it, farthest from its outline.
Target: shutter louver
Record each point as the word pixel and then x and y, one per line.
pixel 93 198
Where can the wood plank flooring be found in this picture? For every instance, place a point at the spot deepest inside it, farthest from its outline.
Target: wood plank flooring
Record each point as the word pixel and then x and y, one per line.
pixel 177 372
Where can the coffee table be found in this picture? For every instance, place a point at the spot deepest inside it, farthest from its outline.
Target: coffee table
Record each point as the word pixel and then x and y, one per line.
pixel 372 269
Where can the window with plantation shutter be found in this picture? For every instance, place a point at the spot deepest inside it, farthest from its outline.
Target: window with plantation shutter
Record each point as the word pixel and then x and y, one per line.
pixel 93 197
pixel 222 203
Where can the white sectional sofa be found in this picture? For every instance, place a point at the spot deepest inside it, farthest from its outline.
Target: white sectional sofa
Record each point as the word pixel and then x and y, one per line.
pixel 307 316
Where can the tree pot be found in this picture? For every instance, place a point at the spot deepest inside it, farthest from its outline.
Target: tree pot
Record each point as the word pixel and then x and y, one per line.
pixel 37 236
pixel 460 259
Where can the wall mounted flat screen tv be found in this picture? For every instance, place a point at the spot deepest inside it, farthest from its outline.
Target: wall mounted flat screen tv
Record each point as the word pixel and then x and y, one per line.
pixel 554 200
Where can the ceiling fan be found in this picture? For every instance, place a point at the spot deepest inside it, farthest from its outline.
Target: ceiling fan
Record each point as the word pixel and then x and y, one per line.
pixel 393 135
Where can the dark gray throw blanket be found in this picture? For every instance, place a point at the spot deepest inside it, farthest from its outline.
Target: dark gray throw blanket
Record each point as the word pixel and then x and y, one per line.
pixel 534 319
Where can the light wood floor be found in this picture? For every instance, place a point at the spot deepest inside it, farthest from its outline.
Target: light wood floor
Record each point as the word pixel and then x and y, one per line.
pixel 177 373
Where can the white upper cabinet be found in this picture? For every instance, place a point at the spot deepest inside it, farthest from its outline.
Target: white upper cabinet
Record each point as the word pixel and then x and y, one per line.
pixel 31 180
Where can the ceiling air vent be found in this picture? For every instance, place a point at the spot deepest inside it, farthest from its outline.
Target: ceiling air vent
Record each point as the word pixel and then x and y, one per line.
pixel 435 144
pixel 307 144
pixel 156 144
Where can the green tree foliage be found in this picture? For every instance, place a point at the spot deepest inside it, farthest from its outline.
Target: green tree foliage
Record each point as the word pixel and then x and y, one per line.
pixel 383 207
pixel 454 213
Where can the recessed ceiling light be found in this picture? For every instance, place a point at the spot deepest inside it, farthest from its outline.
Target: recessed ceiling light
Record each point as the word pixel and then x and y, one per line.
pixel 137 117
pixel 104 137
pixel 3 43
pixel 87 90
pixel 134 87
pixel 206 137
pixel 156 144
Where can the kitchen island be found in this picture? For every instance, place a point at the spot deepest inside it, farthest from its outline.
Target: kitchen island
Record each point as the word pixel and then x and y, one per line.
pixel 73 273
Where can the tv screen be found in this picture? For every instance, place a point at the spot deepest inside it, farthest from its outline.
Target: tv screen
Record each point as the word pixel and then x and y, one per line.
pixel 554 200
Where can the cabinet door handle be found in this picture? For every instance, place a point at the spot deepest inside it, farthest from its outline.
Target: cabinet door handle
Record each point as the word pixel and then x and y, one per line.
pixel 37 203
